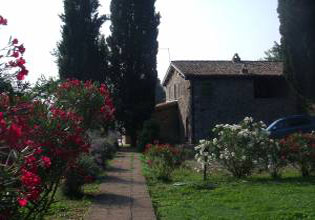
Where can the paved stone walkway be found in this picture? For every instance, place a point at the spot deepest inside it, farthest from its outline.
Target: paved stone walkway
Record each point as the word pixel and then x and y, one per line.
pixel 123 194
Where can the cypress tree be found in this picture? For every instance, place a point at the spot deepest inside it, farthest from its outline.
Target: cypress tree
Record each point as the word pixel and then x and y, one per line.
pixel 80 53
pixel 133 47
pixel 297 22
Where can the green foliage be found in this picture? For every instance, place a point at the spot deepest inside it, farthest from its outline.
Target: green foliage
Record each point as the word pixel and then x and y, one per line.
pixel 275 53
pixel 133 49
pixel 104 148
pixel 65 208
pixel 239 148
pixel 300 151
pixel 83 171
pixel 82 52
pixel 298 41
pixel 224 197
pixel 162 159
pixel 90 168
pixel 149 133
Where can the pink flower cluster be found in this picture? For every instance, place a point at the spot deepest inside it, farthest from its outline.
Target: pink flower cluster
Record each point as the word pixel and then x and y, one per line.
pixel 16 60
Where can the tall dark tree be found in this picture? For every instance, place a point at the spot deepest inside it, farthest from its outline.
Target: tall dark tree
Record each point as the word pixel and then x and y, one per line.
pixel 297 22
pixel 80 53
pixel 133 48
pixel 275 53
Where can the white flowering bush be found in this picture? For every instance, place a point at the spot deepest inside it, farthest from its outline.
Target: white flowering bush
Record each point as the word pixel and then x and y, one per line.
pixel 203 155
pixel 239 148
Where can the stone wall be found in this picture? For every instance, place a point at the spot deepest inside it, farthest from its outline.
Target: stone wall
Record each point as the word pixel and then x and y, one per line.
pixel 230 100
pixel 179 89
pixel 166 115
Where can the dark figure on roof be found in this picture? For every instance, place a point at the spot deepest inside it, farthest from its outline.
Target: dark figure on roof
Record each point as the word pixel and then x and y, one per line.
pixel 236 58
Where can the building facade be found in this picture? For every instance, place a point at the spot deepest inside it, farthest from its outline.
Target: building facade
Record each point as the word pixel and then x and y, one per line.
pixel 207 93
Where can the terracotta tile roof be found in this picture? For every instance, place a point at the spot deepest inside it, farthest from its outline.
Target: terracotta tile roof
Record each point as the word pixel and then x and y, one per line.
pixel 228 67
pixel 224 68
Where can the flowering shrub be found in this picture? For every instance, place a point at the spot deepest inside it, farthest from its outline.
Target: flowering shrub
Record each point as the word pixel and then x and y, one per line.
pixel 88 99
pixel 162 159
pixel 238 147
pixel 203 156
pixel 271 156
pixel 12 63
pixel 301 151
pixel 37 146
pixel 39 143
pixel 84 170
pixel 41 140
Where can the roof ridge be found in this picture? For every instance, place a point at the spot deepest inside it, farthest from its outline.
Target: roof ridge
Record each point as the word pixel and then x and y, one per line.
pixel 264 61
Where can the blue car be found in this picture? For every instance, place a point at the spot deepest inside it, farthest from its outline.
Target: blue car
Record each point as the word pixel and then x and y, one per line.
pixel 291 124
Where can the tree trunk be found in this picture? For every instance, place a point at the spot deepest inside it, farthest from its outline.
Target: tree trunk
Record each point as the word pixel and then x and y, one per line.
pixel 133 139
pixel 204 172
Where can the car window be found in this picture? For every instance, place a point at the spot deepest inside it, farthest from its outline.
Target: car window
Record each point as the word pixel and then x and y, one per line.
pixel 280 125
pixel 294 122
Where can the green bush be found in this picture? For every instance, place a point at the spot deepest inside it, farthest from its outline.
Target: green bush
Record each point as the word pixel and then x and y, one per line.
pixel 103 148
pixel 162 159
pixel 83 171
pixel 149 133
pixel 300 151
pixel 239 148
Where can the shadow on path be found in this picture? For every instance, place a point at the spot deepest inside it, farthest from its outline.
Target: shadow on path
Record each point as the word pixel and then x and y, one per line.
pixel 116 169
pixel 115 179
pixel 123 193
pixel 110 199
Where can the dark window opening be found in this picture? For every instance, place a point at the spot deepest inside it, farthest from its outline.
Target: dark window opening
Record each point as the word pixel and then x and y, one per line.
pixel 270 88
pixel 298 122
pixel 175 92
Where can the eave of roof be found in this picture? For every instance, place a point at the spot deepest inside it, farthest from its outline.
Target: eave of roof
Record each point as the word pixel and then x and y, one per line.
pixel 169 72
pixel 168 104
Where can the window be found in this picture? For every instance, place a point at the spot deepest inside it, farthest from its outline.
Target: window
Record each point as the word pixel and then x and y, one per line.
pixel 269 88
pixel 175 91
pixel 298 122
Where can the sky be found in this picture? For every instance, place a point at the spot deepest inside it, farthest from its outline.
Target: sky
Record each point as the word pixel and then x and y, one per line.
pixel 189 30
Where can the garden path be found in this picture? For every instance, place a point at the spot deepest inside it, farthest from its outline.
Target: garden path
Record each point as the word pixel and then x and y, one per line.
pixel 123 194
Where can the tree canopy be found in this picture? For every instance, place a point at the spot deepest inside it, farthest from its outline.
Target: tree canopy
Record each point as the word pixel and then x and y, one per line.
pixel 297 22
pixel 275 53
pixel 82 51
pixel 133 48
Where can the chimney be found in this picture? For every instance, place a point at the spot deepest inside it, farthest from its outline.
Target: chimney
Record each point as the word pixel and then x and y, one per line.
pixel 244 69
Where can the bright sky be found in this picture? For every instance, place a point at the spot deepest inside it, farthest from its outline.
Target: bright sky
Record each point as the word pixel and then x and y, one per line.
pixel 189 30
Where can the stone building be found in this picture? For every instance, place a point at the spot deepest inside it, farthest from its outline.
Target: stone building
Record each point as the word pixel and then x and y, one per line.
pixel 201 94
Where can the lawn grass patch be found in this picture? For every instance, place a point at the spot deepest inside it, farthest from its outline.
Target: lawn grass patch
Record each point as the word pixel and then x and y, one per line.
pixel 187 196
pixel 65 208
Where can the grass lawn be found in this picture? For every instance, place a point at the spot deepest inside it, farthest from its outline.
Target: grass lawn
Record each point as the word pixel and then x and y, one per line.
pixel 65 208
pixel 186 196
